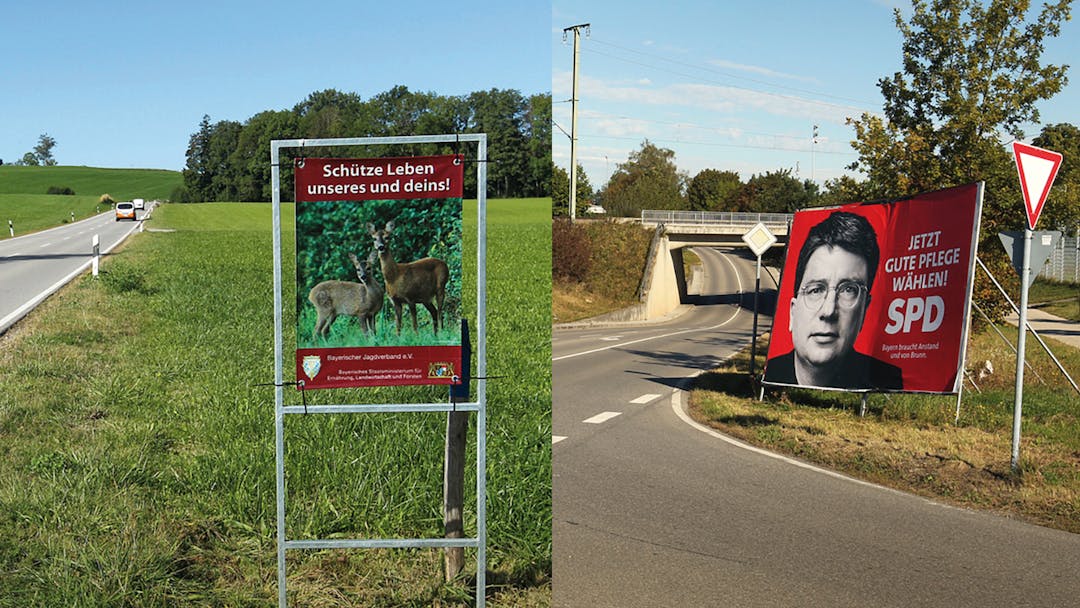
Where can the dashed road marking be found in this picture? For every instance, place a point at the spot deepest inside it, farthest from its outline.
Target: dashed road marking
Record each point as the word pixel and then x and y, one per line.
pixel 645 399
pixel 556 439
pixel 602 417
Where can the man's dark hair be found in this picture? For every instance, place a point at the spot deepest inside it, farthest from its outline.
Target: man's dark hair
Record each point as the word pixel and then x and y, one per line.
pixel 852 233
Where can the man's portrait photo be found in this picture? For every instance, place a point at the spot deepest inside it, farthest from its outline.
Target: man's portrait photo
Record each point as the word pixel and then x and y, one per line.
pixel 834 274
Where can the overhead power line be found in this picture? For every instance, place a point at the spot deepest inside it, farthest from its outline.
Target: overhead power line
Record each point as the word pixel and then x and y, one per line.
pixel 861 108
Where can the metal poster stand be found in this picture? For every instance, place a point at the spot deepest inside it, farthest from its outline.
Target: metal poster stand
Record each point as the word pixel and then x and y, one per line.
pixel 480 406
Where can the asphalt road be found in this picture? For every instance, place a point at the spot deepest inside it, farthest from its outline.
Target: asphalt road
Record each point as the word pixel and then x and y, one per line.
pixel 34 266
pixel 652 511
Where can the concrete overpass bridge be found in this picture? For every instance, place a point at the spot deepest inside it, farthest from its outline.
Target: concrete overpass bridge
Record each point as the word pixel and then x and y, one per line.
pixel 711 227
pixel 664 285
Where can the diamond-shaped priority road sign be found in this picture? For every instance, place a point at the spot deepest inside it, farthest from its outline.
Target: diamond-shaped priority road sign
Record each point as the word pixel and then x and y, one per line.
pixel 1037 168
pixel 759 239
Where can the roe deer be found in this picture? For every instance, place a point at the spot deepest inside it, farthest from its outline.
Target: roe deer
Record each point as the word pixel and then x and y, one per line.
pixel 362 300
pixel 413 283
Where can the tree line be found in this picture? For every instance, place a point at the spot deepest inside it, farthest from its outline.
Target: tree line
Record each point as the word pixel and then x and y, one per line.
pixel 230 161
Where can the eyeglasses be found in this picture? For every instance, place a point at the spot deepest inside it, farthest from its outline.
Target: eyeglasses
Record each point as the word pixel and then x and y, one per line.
pixel 848 294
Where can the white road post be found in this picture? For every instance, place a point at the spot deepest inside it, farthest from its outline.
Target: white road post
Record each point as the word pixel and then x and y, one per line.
pixel 97 254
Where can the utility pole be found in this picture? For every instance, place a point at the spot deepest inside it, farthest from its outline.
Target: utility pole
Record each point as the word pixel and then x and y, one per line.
pixel 573 117
pixel 813 148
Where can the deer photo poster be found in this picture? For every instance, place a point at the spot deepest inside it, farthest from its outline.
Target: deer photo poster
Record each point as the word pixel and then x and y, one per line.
pixel 378 271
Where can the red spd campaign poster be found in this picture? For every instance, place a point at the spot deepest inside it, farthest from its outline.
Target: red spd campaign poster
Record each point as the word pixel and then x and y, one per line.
pixel 378 271
pixel 874 296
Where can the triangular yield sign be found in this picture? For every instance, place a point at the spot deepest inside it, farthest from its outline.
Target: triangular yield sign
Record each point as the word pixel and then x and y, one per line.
pixel 1037 168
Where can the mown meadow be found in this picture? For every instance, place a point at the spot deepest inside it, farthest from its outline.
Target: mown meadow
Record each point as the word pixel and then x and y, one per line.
pixel 137 444
pixel 25 203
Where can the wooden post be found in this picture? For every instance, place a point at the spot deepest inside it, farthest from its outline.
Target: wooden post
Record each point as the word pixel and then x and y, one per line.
pixel 457 425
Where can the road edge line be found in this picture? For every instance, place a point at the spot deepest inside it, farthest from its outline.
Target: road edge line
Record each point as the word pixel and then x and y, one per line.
pixel 16 315
pixel 677 404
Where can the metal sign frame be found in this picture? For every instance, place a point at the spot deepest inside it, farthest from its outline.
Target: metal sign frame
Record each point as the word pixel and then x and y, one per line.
pixel 479 406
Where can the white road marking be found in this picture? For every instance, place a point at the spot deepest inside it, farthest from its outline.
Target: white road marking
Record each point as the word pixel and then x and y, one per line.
pixel 738 279
pixel 556 439
pixel 674 333
pixel 677 398
pixel 611 338
pixel 45 245
pixel 602 417
pixel 645 399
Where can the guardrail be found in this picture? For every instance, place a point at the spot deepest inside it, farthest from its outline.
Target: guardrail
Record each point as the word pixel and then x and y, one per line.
pixel 713 218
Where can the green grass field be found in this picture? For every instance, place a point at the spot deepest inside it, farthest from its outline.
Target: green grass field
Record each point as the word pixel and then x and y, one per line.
pixel 137 449
pixel 122 184
pixel 24 203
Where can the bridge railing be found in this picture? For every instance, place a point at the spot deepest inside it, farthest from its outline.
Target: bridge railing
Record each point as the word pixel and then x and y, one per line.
pixel 714 218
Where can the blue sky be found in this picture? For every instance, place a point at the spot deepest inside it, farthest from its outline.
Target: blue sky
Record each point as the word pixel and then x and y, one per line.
pixel 737 85
pixel 125 84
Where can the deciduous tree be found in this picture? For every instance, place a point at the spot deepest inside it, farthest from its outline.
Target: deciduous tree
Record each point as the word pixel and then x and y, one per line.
pixel 776 192
pixel 649 179
pixel 43 150
pixel 713 190
pixel 1062 209
pixel 972 74
pixel 560 190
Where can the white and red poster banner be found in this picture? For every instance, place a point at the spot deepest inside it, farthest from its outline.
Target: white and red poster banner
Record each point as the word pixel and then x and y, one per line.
pixel 875 296
pixel 378 271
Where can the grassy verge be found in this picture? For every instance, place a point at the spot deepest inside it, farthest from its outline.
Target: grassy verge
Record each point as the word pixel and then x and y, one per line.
pixel 1059 299
pixel 911 442
pixel 137 451
pixel 617 259
pixel 33 212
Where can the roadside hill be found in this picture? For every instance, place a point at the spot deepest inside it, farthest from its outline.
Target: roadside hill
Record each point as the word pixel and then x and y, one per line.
pixel 121 184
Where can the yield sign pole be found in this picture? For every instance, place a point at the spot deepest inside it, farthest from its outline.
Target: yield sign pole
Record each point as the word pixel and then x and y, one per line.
pixel 1037 169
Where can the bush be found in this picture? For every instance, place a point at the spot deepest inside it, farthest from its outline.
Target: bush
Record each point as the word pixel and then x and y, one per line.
pixel 571 251
pixel 181 194
pixel 106 200
pixel 618 257
pixel 60 190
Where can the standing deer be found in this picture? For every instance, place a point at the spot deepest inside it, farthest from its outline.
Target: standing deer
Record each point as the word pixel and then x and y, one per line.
pixel 362 300
pixel 413 283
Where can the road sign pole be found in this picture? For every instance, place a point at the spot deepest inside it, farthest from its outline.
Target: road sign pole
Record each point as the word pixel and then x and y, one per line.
pixel 1019 400
pixel 753 340
pixel 758 239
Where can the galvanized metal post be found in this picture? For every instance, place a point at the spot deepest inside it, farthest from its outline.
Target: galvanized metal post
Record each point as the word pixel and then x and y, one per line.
pixel 753 339
pixel 1018 402
pixel 279 390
